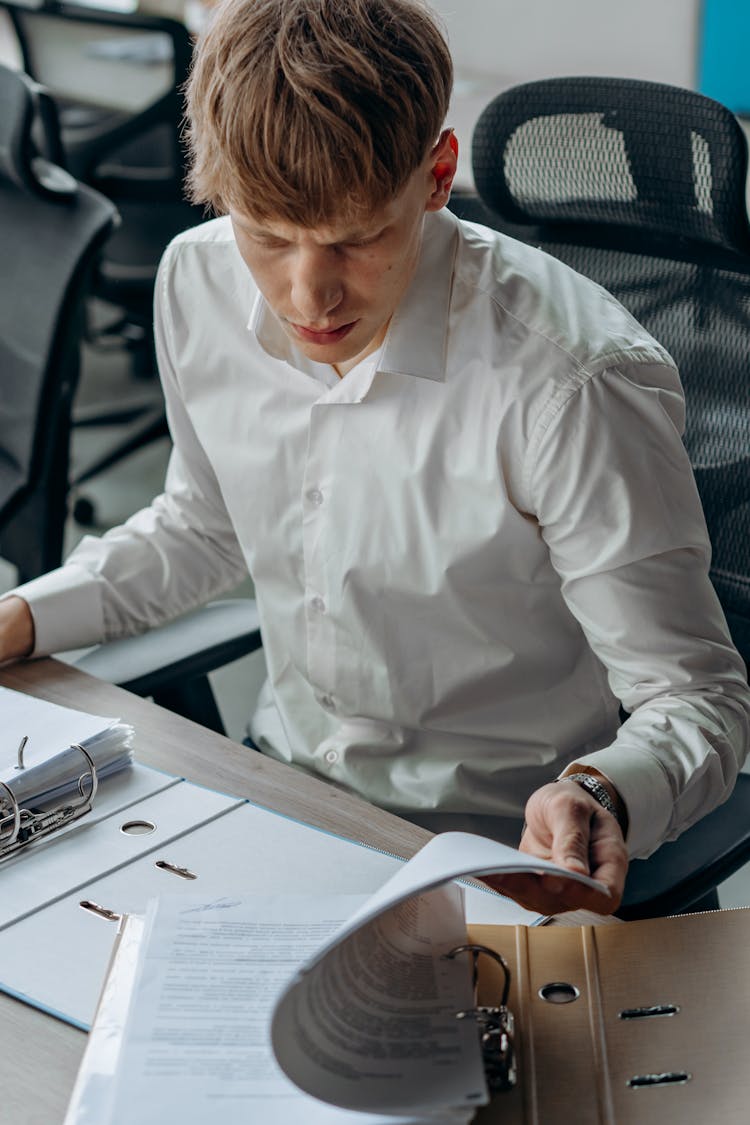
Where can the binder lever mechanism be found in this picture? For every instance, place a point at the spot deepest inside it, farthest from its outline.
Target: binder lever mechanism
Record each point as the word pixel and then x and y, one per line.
pixel 20 826
pixel 495 1024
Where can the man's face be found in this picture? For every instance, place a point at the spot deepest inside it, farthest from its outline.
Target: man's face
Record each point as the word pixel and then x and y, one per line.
pixel 334 288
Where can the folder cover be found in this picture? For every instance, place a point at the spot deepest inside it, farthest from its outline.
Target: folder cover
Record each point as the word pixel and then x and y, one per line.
pixel 636 1023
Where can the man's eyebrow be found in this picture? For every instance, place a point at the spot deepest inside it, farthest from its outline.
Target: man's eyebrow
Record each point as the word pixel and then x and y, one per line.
pixel 356 234
pixel 260 232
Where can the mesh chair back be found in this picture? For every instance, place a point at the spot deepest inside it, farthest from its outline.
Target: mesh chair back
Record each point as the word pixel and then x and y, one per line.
pixel 615 152
pixel 50 230
pixel 117 80
pixel 641 187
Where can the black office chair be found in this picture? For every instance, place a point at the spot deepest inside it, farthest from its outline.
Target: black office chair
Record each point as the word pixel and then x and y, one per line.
pixel 641 186
pixel 117 79
pixel 51 230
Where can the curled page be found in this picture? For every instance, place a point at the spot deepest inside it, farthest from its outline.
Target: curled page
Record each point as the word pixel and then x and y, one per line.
pixel 369 1023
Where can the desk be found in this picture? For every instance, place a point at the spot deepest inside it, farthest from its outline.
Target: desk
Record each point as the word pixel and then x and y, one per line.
pixel 39 1055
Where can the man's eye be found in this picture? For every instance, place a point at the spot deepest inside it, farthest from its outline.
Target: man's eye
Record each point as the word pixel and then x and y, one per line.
pixel 360 244
pixel 269 243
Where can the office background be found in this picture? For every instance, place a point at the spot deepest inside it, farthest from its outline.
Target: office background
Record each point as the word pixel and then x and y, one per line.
pixel 496 44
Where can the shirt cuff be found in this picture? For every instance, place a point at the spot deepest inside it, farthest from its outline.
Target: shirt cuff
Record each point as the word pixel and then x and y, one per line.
pixel 644 787
pixel 67 610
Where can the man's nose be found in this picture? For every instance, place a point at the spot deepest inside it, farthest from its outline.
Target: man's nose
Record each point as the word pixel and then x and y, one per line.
pixel 317 285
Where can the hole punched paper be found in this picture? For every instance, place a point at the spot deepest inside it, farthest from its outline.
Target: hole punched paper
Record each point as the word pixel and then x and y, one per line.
pixel 325 1009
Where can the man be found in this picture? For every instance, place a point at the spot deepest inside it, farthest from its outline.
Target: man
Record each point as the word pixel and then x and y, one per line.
pixel 451 465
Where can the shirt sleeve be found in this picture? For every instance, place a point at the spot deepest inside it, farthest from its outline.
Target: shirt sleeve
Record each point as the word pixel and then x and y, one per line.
pixel 613 490
pixel 165 560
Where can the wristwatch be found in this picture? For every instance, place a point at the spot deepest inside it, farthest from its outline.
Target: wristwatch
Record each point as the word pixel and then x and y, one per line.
pixel 595 788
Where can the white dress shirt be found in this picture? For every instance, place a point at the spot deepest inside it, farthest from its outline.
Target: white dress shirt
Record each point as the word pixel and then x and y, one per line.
pixel 464 552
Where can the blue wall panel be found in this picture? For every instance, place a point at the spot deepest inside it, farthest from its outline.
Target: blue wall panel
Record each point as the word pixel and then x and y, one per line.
pixel 724 62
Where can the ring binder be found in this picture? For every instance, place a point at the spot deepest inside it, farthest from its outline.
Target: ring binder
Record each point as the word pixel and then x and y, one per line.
pixel 21 748
pixel 496 1024
pixel 20 827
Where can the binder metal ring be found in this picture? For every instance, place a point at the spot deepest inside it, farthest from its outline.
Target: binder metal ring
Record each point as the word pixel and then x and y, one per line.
pixel 14 816
pixel 496 1024
pixel 21 826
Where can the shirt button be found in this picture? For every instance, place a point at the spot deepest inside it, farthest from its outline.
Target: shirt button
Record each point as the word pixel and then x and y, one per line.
pixel 327 702
pixel 315 496
pixel 318 604
pixel 331 756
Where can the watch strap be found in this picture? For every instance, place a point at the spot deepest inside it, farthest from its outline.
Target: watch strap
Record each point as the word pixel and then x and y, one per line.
pixel 593 786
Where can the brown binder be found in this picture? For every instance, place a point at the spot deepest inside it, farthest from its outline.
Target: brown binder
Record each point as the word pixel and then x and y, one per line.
pixel 645 1023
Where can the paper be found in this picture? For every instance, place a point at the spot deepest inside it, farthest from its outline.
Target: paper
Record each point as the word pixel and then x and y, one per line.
pixel 375 1027
pixel 324 1048
pixel 368 1022
pixel 198 1041
pixel 52 767
pixel 93 1094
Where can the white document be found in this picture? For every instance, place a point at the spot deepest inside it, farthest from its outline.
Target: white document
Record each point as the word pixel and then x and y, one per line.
pixel 320 1035
pixel 198 1021
pixel 51 767
pixel 366 1028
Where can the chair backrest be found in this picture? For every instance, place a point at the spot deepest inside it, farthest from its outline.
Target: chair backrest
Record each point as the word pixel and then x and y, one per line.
pixel 641 186
pixel 117 78
pixel 51 229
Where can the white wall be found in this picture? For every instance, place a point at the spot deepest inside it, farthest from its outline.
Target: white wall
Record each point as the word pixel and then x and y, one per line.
pixel 518 40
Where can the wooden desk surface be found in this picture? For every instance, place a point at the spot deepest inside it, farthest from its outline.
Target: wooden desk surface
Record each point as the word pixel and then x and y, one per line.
pixel 39 1055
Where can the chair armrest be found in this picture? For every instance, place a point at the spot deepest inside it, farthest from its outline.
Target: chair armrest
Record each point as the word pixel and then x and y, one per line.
pixel 681 873
pixel 190 646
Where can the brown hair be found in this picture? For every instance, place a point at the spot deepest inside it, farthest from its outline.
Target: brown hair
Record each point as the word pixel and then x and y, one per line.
pixel 304 110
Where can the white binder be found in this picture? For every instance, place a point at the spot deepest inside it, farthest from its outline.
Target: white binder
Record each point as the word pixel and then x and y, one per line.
pixel 54 951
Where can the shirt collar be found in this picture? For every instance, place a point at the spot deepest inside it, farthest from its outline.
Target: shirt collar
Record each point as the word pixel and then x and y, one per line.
pixel 416 340
pixel 418 332
pixel 264 324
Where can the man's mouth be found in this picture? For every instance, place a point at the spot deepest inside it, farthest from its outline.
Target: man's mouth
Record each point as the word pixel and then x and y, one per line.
pixel 316 336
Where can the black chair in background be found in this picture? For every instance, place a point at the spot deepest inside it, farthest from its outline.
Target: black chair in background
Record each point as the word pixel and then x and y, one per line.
pixel 641 186
pixel 133 153
pixel 117 81
pixel 52 230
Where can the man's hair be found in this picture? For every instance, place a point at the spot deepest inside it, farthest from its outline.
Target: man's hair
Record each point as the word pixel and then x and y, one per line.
pixel 308 110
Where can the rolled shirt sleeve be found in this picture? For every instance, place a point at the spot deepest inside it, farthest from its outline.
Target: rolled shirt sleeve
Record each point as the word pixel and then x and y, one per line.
pixel 617 505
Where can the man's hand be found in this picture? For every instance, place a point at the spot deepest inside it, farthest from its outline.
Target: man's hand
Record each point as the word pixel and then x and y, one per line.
pixel 566 825
pixel 16 629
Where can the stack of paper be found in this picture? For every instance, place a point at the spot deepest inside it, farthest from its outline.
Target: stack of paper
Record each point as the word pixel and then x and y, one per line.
pixel 50 766
pixel 221 999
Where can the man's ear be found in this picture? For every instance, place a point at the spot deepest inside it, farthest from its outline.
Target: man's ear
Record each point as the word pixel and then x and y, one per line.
pixel 443 162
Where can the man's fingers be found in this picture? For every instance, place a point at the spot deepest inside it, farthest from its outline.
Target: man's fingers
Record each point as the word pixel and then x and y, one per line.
pixel 608 854
pixel 570 848
pixel 550 894
pixel 570 827
pixel 566 826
